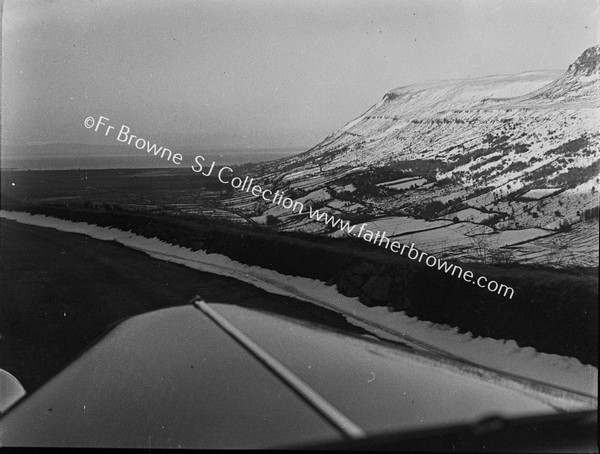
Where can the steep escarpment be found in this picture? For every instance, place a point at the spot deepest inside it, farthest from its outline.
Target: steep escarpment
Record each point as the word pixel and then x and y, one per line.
pixel 499 154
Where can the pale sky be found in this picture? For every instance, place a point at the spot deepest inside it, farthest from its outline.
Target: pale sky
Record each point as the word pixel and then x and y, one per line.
pixel 254 74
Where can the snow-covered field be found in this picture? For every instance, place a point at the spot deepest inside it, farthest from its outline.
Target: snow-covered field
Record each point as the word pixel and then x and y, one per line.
pixel 508 237
pixel 576 248
pixel 449 237
pixel 515 363
pixel 536 194
pixel 469 214
pixel 402 225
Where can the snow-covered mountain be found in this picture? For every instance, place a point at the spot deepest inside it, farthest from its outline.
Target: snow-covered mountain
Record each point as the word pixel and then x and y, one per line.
pixel 497 157
pixel 437 119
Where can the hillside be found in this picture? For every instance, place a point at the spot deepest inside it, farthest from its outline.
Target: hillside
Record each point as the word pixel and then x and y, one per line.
pixel 499 168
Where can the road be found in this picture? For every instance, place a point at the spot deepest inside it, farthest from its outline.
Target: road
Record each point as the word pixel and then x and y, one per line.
pixel 174 377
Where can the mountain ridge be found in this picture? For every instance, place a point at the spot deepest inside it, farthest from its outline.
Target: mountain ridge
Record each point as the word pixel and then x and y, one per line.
pixel 517 152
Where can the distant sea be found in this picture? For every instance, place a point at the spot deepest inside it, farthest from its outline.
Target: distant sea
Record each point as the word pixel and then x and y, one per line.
pixel 80 156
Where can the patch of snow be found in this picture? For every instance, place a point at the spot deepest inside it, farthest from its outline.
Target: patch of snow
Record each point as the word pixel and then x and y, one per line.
pixel 469 214
pixel 536 194
pixel 399 180
pixel 408 184
pixel 347 188
pixel 316 196
pixel 402 225
pixel 507 237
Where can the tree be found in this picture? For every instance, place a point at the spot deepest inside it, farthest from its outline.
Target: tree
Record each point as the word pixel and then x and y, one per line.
pixel 565 226
pixel 482 246
pixel 272 220
pixel 504 256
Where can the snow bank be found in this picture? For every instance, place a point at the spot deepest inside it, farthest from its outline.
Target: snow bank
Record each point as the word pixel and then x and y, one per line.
pixel 500 355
